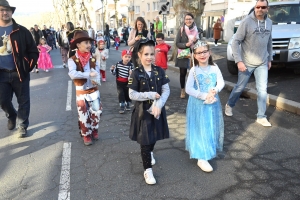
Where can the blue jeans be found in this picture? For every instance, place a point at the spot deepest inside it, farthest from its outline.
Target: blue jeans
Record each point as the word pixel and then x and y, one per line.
pixel 107 39
pixel 10 84
pixel 261 79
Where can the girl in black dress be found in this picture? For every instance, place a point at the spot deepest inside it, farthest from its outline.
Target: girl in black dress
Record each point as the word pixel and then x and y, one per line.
pixel 148 86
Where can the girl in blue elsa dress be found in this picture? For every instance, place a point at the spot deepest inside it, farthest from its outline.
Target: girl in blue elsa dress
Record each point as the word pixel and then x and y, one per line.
pixel 204 119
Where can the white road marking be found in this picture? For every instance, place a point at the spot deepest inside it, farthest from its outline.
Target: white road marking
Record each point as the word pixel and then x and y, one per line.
pixel 64 183
pixel 69 96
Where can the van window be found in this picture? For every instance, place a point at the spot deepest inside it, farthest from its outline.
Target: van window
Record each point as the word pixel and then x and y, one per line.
pixel 286 13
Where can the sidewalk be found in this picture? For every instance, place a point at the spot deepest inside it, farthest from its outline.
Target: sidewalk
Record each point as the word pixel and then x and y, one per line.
pixel 278 102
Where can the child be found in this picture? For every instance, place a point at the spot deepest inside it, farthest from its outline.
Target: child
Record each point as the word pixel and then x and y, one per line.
pixel 205 125
pixel 117 42
pixel 101 55
pixel 161 51
pixel 44 60
pixel 122 70
pixel 83 69
pixel 99 37
pixel 148 86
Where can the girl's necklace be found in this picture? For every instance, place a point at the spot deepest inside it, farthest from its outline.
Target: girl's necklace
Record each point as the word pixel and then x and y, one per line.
pixel 206 74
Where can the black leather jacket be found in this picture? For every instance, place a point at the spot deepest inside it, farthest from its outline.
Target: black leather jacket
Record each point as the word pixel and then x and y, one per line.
pixel 25 52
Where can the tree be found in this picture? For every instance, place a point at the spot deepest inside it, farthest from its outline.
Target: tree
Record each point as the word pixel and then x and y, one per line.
pixel 181 7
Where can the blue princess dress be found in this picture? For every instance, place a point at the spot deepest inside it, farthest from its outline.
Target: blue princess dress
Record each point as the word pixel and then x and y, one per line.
pixel 204 122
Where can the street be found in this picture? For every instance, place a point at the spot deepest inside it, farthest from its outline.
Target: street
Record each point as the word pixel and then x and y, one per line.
pixel 53 163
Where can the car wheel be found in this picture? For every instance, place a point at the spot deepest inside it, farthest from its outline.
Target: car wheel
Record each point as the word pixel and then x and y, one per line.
pixel 232 67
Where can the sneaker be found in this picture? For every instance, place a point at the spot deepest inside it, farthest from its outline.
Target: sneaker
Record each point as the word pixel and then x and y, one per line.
pixel 11 124
pixel 128 106
pixel 149 178
pixel 263 121
pixel 122 108
pixel 22 132
pixel 87 140
pixel 216 45
pixel 37 71
pixel 152 159
pixel 104 79
pixel 95 135
pixel 64 65
pixel 204 165
pixel 47 70
pixel 228 110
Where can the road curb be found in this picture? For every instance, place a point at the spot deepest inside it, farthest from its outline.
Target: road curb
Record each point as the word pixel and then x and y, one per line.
pixel 276 101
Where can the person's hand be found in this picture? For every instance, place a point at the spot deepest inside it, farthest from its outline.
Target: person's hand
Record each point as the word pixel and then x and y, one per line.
pixel 130 72
pixel 269 65
pixel 189 43
pixel 93 74
pixel 157 50
pixel 157 96
pixel 156 111
pixel 241 67
pixel 103 58
pixel 112 67
pixel 137 38
pixel 94 83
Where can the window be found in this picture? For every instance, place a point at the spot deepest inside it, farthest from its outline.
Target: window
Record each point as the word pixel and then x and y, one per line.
pixel 154 5
pixel 137 9
pixel 171 3
pixel 148 6
pixel 143 14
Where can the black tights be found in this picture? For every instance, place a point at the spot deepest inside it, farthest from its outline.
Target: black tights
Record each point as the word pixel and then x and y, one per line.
pixel 216 41
pixel 183 72
pixel 146 155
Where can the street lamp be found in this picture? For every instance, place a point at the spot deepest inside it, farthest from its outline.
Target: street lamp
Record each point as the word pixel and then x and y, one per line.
pixel 102 16
pixel 116 13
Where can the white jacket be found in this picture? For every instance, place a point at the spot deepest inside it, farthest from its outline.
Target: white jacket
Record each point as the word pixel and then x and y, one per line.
pixel 99 60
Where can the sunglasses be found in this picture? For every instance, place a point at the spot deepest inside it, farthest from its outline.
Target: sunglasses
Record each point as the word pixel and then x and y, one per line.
pixel 201 52
pixel 262 7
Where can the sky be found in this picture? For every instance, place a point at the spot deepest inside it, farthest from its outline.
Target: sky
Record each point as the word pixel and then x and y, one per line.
pixel 31 6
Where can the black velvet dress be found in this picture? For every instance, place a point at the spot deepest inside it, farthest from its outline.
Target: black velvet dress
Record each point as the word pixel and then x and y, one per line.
pixel 144 128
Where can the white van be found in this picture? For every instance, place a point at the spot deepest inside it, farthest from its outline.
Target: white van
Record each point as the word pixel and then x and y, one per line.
pixel 285 33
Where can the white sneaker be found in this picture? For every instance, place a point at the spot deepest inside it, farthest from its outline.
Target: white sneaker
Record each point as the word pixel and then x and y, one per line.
pixel 149 178
pixel 152 159
pixel 263 121
pixel 205 166
pixel 228 110
pixel 216 45
pixel 47 70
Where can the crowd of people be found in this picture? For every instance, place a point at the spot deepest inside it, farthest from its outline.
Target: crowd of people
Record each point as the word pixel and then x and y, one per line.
pixel 141 76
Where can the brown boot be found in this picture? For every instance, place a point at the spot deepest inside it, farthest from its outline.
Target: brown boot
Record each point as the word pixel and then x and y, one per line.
pixel 182 94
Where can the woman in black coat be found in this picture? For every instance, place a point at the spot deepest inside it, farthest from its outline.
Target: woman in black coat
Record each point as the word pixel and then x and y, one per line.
pixel 188 30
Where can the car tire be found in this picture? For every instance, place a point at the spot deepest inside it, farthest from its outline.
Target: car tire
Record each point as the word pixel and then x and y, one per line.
pixel 232 67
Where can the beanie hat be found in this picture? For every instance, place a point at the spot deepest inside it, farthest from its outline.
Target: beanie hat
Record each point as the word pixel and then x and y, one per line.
pixel 126 52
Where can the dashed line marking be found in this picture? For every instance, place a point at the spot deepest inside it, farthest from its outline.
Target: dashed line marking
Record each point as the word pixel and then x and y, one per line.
pixel 69 96
pixel 64 183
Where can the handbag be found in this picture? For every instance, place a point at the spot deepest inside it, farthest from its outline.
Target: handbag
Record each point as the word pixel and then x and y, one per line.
pixel 183 53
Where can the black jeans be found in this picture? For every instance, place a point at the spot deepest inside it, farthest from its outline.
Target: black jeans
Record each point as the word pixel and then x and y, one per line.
pixel 123 92
pixel 146 155
pixel 10 84
pixel 183 72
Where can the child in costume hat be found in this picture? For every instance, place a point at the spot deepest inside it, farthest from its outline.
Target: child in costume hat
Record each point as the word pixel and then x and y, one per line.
pixel 84 71
pixel 122 71
pixel 101 55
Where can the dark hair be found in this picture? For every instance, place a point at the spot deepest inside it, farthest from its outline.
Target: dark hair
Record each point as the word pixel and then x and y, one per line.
pixel 62 26
pixel 262 1
pixel 160 35
pixel 189 14
pixel 138 46
pixel 70 26
pixel 210 60
pixel 141 19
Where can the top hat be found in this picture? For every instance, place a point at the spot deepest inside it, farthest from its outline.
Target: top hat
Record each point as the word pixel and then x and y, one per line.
pixel 79 36
pixel 4 3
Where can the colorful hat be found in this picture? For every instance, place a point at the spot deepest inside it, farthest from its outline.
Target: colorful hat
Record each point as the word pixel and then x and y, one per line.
pixel 80 36
pixel 126 52
pixel 101 42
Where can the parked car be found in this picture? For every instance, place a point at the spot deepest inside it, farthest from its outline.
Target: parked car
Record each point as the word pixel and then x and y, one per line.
pixel 285 16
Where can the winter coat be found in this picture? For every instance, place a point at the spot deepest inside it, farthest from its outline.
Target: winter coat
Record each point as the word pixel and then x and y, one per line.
pixel 217 31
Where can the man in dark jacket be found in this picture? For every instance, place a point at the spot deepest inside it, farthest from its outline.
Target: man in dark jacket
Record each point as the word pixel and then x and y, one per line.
pixel 16 61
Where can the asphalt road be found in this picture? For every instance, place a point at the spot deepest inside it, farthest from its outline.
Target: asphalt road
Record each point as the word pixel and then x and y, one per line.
pixel 257 162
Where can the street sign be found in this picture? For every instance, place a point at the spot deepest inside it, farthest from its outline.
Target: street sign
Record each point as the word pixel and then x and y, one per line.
pixel 164 7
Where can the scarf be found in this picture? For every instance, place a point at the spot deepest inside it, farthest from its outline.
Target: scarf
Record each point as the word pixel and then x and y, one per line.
pixel 84 57
pixel 191 31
